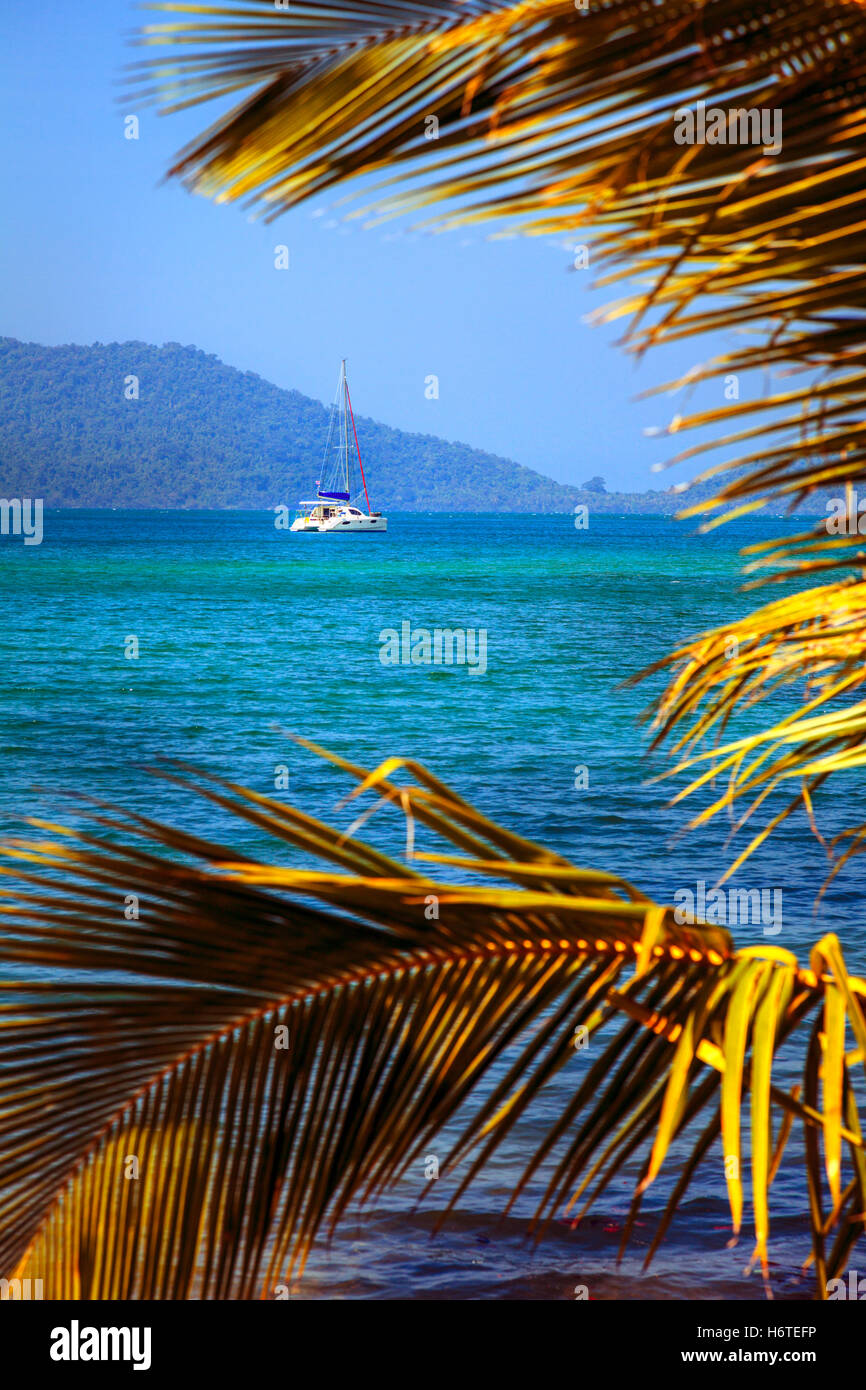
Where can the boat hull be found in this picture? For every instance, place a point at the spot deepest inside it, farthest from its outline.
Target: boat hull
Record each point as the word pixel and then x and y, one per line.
pixel 339 524
pixel 343 520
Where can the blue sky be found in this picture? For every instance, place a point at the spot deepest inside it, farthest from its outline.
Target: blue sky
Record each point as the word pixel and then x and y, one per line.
pixel 98 247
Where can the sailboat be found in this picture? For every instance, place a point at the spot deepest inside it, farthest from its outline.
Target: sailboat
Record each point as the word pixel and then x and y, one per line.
pixel 332 509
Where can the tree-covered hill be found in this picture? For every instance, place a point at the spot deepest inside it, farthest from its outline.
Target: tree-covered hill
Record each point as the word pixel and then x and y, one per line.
pixel 201 434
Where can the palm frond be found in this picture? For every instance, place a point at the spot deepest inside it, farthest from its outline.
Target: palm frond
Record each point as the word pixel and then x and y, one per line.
pixel 816 638
pixel 158 1140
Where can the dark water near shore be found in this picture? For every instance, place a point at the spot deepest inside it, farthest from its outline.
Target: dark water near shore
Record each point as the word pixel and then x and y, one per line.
pixel 241 626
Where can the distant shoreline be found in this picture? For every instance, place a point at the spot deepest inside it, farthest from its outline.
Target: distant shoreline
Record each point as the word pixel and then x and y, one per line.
pixel 594 510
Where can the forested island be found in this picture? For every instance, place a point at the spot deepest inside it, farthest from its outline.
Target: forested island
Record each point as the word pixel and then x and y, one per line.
pixel 134 425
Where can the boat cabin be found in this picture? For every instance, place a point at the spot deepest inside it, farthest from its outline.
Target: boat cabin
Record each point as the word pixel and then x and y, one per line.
pixel 316 510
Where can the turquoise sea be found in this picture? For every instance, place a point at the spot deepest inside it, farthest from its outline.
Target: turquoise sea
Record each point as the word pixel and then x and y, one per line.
pixel 242 627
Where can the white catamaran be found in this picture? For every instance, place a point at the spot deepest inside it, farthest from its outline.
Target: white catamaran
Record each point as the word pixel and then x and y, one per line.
pixel 332 509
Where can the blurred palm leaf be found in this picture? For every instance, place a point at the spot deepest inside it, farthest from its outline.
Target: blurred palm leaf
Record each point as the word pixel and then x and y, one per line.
pixel 157 1140
pixel 818 638
pixel 561 119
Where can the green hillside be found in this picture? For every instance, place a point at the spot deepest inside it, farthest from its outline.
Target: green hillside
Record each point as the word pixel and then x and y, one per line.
pixel 202 434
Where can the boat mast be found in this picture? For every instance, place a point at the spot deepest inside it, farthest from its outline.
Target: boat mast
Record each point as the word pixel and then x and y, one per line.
pixel 345 389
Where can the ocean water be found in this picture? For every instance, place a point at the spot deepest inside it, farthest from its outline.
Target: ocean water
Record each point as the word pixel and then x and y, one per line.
pixel 242 627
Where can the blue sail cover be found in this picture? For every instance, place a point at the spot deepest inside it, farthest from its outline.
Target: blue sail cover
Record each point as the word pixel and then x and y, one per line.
pixel 335 496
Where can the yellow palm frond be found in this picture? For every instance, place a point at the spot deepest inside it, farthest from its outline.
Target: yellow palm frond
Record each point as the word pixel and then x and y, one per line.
pixel 193 1089
pixel 816 638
